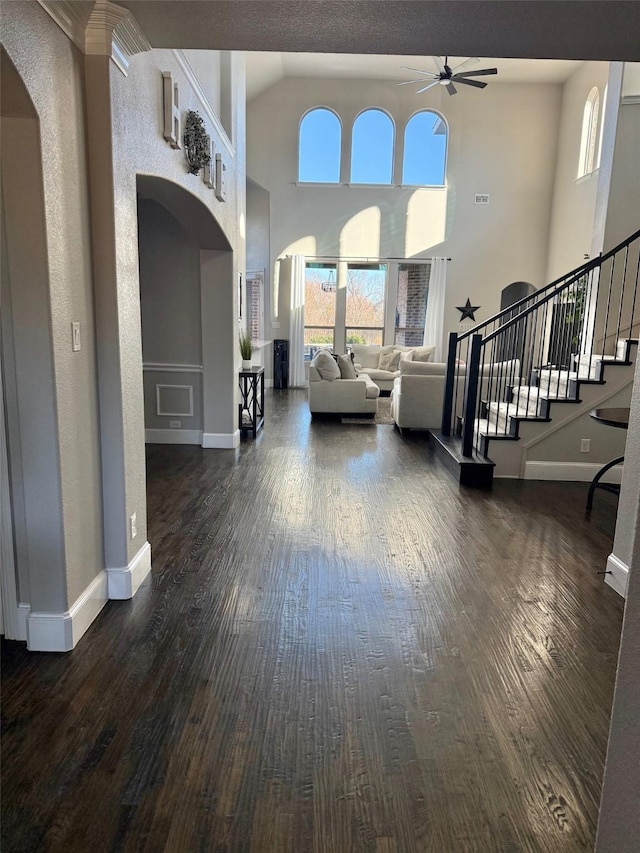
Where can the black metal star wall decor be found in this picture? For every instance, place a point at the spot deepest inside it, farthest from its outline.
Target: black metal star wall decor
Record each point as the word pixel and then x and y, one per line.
pixel 468 310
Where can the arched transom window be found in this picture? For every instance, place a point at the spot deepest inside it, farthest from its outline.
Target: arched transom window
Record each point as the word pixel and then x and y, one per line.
pixel 372 148
pixel 425 150
pixel 586 163
pixel 319 147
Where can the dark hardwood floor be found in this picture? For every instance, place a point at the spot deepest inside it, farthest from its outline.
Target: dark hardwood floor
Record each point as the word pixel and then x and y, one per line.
pixel 338 650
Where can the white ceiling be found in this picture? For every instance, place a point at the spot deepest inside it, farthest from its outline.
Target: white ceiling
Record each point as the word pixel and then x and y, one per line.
pixel 266 68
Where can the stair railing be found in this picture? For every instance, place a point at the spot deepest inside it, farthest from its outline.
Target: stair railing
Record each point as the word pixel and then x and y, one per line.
pixel 540 347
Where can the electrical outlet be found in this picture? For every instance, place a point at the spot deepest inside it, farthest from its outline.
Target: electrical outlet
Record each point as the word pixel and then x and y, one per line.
pixel 175 424
pixel 133 526
pixel 585 445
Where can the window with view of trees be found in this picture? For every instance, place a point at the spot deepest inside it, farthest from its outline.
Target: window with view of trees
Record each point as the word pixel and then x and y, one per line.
pixel 319 307
pixel 365 303
pixel 319 147
pixel 425 150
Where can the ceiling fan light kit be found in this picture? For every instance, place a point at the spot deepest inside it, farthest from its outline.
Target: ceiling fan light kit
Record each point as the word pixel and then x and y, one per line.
pixel 447 76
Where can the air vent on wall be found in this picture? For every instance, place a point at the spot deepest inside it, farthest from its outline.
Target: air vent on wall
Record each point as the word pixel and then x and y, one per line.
pixel 482 198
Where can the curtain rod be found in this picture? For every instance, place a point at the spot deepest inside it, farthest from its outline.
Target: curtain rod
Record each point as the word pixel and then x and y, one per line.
pixel 367 260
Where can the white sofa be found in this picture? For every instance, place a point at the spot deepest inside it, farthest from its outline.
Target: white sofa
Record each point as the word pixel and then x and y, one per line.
pixel 367 358
pixel 342 396
pixel 418 393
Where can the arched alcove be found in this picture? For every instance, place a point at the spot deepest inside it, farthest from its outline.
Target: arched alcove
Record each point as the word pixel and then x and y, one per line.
pixel 187 315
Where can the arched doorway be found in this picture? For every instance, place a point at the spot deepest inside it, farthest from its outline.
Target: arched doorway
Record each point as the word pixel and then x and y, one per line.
pixel 33 565
pixel 186 300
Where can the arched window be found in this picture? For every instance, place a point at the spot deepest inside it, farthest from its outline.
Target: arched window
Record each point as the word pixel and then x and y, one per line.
pixel 589 133
pixel 372 148
pixel 425 150
pixel 600 135
pixel 319 147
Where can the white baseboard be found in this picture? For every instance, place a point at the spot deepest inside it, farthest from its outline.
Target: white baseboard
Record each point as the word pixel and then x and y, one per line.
pixel 173 436
pixel 619 577
pixel 22 612
pixel 223 440
pixel 123 583
pixel 582 472
pixel 60 632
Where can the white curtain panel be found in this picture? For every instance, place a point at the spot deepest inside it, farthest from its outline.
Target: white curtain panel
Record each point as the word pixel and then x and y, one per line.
pixel 434 321
pixel 297 378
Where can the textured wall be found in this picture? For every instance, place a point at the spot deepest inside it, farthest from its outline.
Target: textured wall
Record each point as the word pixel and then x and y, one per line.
pixel 64 176
pixel 619 825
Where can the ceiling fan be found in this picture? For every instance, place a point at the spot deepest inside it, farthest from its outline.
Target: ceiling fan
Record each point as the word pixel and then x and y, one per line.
pixel 447 76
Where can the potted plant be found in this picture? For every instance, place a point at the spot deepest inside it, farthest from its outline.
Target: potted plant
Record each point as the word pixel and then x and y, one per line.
pixel 246 349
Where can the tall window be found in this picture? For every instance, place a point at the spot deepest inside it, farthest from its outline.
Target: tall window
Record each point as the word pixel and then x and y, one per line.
pixel 319 308
pixel 372 148
pixel 425 150
pixel 411 305
pixel 589 133
pixel 319 147
pixel 365 303
pixel 600 135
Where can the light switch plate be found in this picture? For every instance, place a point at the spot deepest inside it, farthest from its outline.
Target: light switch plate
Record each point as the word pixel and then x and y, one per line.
pixel 75 337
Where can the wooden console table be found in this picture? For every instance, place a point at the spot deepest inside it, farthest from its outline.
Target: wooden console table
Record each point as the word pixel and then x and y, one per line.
pixel 251 405
pixel 618 418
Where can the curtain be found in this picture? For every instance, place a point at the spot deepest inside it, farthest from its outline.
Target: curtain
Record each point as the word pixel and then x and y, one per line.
pixel 434 321
pixel 297 378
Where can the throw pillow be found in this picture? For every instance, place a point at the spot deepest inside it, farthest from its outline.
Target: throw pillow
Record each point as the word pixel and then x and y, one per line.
pixel 326 365
pixel 423 353
pixel 345 364
pixel 389 360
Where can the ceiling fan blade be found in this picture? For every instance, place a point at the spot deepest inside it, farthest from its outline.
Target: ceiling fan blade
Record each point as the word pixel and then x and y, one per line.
pixel 406 82
pixel 475 83
pixel 424 89
pixel 419 71
pixel 439 65
pixel 451 89
pixel 466 64
pixel 480 73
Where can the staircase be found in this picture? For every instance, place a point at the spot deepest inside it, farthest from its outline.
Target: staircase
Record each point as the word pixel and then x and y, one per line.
pixel 539 365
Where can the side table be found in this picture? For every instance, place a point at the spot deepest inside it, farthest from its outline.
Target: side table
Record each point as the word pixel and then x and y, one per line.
pixel 251 405
pixel 616 418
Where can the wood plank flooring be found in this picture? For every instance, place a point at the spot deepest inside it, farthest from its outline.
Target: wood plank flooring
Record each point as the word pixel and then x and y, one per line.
pixel 338 650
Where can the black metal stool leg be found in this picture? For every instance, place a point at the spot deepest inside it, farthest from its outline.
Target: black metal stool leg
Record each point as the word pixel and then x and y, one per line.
pixel 595 483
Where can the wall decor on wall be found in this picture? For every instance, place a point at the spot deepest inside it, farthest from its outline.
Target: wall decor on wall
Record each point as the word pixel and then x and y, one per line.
pixel 239 296
pixel 221 187
pixel 197 145
pixel 170 111
pixel 468 310
pixel 209 171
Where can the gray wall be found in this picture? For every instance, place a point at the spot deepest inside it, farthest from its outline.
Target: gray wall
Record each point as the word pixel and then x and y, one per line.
pixel 170 310
pixel 63 463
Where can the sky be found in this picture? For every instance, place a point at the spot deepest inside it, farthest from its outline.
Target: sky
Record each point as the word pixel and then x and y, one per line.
pixel 372 149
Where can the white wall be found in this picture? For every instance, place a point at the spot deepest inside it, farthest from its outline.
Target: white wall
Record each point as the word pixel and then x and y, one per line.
pixel 574 199
pixel 502 141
